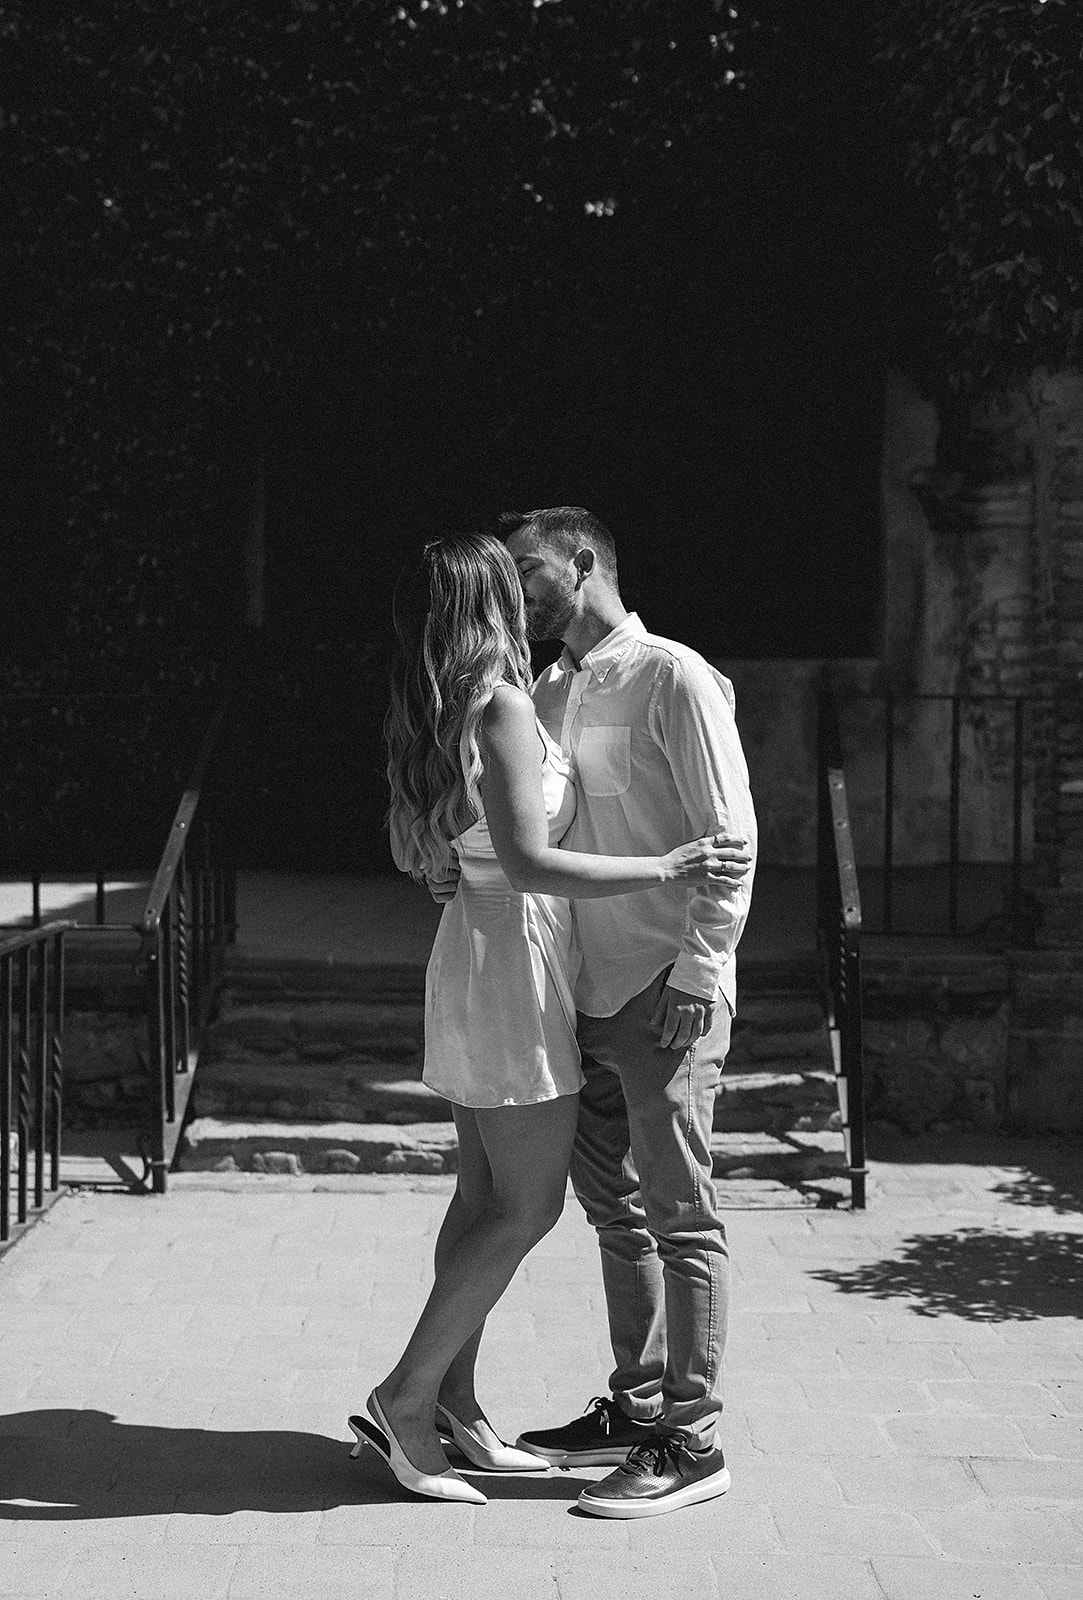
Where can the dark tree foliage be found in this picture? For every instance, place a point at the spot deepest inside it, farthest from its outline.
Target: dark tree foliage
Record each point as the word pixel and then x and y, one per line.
pixel 987 99
pixel 205 199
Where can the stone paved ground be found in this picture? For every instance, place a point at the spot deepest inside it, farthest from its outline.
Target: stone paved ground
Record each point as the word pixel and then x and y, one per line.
pixel 905 1399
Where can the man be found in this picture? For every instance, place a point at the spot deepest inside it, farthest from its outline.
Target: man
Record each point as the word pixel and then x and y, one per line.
pixel 650 727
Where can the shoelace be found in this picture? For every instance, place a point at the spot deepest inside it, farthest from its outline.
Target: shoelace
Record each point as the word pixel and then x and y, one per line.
pixel 654 1454
pixel 605 1408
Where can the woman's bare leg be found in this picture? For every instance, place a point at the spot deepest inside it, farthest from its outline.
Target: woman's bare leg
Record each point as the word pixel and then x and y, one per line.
pixel 528 1149
pixel 473 1193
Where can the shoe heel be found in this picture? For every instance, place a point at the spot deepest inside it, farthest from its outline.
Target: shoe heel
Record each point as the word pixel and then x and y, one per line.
pixel 366 1432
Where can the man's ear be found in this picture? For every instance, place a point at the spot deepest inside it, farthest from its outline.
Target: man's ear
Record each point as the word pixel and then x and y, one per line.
pixel 584 563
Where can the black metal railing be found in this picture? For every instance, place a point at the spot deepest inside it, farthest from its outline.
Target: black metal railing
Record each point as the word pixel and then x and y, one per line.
pixel 31 1071
pixel 189 920
pixel 838 939
pixel 1006 723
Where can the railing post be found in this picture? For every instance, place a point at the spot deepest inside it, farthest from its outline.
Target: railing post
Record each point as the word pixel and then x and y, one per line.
pixel 6 1019
pixel 156 1061
pixel 23 1107
pixel 41 1065
pixel 183 997
pixel 169 1001
pixel 853 1053
pixel 57 1063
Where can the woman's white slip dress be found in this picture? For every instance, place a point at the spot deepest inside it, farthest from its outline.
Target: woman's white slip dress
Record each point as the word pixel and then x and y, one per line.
pixel 499 1007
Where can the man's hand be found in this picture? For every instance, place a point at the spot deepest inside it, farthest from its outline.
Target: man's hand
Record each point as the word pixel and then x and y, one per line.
pixel 683 1018
pixel 444 889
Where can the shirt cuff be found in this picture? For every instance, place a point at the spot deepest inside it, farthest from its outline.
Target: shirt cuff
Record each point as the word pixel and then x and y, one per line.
pixel 697 975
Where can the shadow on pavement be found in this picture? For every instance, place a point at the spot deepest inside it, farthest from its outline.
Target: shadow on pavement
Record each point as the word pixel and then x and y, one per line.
pixel 80 1465
pixel 978 1274
pixel 1048 1170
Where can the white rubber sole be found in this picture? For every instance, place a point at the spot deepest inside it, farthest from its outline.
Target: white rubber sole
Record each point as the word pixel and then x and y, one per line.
pixel 577 1458
pixel 693 1494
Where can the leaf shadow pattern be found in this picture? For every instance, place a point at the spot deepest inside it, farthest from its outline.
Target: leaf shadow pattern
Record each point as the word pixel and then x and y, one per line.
pixel 976 1273
pixel 66 1465
pixel 1054 1179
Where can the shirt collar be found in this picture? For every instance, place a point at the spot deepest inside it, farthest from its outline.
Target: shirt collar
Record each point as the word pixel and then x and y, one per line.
pixel 608 651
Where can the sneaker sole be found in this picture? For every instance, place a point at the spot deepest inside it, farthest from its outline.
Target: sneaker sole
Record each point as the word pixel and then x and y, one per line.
pixel 705 1489
pixel 615 1457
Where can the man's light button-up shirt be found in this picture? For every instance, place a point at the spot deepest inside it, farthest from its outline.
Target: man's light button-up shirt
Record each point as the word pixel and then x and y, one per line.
pixel 649 726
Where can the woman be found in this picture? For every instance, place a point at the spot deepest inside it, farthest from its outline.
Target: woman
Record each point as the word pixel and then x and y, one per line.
pixel 476 777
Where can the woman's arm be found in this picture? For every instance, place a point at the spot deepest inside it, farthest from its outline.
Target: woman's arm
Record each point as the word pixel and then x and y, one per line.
pixel 515 810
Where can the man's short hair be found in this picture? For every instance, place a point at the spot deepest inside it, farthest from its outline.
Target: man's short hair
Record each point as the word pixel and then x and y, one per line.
pixel 566 529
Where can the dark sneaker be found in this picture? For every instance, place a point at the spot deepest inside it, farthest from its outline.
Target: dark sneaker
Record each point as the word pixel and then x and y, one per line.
pixel 601 1438
pixel 661 1475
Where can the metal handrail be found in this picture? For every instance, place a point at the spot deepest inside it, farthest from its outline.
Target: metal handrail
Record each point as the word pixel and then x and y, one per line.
pixel 31 1042
pixel 838 938
pixel 181 828
pixel 188 920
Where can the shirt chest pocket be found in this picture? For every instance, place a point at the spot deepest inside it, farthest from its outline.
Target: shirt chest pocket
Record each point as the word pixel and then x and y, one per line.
pixel 604 760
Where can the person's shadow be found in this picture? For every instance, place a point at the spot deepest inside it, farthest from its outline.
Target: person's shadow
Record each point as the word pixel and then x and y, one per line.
pixel 67 1465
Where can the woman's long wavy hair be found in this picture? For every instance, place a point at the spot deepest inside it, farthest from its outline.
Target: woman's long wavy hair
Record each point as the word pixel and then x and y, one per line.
pixel 461 631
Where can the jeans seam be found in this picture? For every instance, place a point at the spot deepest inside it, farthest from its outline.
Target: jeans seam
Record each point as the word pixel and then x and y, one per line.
pixel 712 1309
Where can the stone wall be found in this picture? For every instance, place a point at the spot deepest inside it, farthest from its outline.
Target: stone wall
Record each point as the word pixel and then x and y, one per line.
pixel 105 1069
pixel 936 1030
pixel 776 714
pixel 1047 1015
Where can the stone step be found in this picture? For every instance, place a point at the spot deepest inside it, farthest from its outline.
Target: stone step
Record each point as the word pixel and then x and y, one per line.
pixel 777 1101
pixel 292 1088
pixel 288 1088
pixel 319 1030
pixel 231 1145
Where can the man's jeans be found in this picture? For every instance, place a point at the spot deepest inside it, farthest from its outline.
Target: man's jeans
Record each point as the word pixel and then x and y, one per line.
pixel 642 1172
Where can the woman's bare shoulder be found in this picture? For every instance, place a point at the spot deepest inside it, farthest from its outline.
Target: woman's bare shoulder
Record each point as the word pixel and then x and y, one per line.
pixel 508 706
pixel 508 715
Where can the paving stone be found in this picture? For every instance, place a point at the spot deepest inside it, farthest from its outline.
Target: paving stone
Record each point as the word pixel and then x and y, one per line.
pixel 1059 1583
pixel 1003 1365
pixel 763 1392
pixel 917 1361
pixel 398 1521
pixel 272 1519
pixel 905 1579
pixel 1061 1437
pixel 956 1436
pixel 782 1358
pixel 333 1572
pixel 850 1433
pixel 538 1514
pixel 1030 1480
pixel 422 1573
pixel 131 1572
pixel 35 1572
pixel 783 1480
pixel 908 1484
pixel 792 1578
pixel 739 1527
pixel 1003 1533
pixel 878 1396
pixel 589 1575
pixel 1064 1396
pixel 850 1531
pixel 991 1398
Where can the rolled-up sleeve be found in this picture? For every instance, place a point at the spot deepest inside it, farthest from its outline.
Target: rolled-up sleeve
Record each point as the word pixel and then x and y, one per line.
pixel 692 717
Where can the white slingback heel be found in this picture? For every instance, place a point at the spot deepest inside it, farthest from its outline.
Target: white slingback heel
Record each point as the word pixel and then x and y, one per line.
pixel 504 1458
pixel 434 1485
